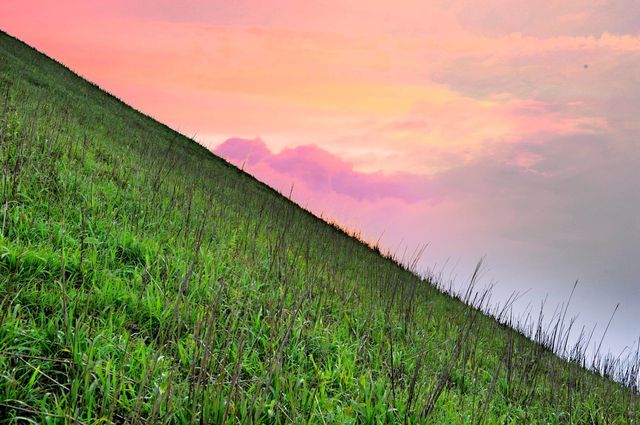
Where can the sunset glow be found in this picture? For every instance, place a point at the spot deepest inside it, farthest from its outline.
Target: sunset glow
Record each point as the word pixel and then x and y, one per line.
pixel 508 130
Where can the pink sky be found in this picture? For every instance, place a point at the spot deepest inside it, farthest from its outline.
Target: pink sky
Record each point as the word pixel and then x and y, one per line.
pixel 507 130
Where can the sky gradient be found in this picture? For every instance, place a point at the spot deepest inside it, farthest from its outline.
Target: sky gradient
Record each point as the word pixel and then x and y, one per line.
pixel 508 131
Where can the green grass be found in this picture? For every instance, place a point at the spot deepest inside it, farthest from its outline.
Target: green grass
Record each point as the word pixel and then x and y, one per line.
pixel 145 280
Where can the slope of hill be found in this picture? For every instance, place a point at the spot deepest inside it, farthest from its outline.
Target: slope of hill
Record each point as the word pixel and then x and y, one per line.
pixel 145 280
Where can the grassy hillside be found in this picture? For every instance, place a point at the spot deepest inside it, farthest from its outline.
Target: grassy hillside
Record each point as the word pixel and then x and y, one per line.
pixel 145 280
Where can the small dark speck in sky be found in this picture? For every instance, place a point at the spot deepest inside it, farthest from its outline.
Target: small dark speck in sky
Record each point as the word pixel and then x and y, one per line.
pixel 586 66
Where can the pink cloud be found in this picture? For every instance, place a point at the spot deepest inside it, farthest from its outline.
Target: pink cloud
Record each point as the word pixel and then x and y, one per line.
pixel 243 151
pixel 314 169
